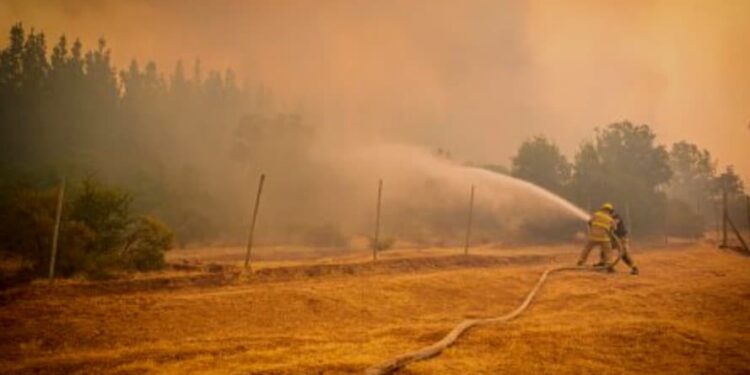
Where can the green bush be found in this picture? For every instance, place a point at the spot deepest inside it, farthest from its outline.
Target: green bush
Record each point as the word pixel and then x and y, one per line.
pixel 146 245
pixel 98 233
pixel 75 251
pixel 106 211
pixel 26 223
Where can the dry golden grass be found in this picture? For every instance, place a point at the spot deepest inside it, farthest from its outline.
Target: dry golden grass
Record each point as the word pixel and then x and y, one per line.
pixel 689 312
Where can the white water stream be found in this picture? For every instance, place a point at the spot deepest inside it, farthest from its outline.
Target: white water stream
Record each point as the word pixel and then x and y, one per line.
pixel 535 190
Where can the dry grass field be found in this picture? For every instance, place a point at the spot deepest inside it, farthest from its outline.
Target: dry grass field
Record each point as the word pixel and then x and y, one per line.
pixel 687 313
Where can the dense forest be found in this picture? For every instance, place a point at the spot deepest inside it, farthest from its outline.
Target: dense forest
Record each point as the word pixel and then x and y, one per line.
pixel 71 112
pixel 137 149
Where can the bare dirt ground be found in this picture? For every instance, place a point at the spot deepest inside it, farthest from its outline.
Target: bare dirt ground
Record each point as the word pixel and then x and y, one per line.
pixel 688 313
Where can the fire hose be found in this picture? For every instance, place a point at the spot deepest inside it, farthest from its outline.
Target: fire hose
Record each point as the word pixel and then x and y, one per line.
pixel 391 365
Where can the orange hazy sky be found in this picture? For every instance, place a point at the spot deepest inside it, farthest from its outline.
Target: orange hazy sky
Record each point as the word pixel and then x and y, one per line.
pixel 476 77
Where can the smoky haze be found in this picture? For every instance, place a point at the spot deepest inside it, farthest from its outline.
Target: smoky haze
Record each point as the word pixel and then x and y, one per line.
pixel 321 190
pixel 383 83
pixel 475 77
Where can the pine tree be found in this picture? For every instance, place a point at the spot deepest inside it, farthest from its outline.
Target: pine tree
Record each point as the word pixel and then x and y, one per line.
pixel 34 65
pixel 11 61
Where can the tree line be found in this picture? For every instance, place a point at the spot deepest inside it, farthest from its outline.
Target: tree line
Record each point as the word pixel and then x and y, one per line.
pixel 675 190
pixel 170 141
pixel 116 134
pixel 67 110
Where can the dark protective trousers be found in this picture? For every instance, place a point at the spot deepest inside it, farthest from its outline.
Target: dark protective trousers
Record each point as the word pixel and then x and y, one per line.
pixel 624 253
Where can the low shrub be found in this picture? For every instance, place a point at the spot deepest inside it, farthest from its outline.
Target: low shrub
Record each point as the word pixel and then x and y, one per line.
pixel 146 245
pixel 98 232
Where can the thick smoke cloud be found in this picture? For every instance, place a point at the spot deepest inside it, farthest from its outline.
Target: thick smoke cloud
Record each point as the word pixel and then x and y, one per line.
pixel 383 81
pixel 475 77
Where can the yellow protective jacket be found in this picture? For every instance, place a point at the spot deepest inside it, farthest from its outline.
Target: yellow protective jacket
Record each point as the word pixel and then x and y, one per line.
pixel 600 224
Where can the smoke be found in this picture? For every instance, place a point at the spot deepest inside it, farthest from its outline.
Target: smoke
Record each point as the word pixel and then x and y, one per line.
pixel 382 82
pixel 474 77
pixel 326 194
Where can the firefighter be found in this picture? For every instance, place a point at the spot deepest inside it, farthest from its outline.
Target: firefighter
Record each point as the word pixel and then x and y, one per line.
pixel 600 226
pixel 622 242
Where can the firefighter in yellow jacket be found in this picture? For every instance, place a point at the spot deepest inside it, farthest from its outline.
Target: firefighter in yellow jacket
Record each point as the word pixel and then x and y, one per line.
pixel 600 225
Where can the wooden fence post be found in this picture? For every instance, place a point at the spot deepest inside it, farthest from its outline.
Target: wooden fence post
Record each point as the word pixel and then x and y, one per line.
pixel 56 232
pixel 666 223
pixel 717 219
pixel 468 224
pixel 724 216
pixel 376 239
pixel 252 223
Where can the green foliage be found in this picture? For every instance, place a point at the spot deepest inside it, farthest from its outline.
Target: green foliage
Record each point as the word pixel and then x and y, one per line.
pixel 693 174
pixel 26 226
pixel 540 161
pixel 67 108
pixel 76 253
pixel 28 217
pixel 146 244
pixel 589 175
pixel 105 210
pixel 98 233
pixel 693 168
pixel 632 149
pixel 624 166
pixel 731 183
